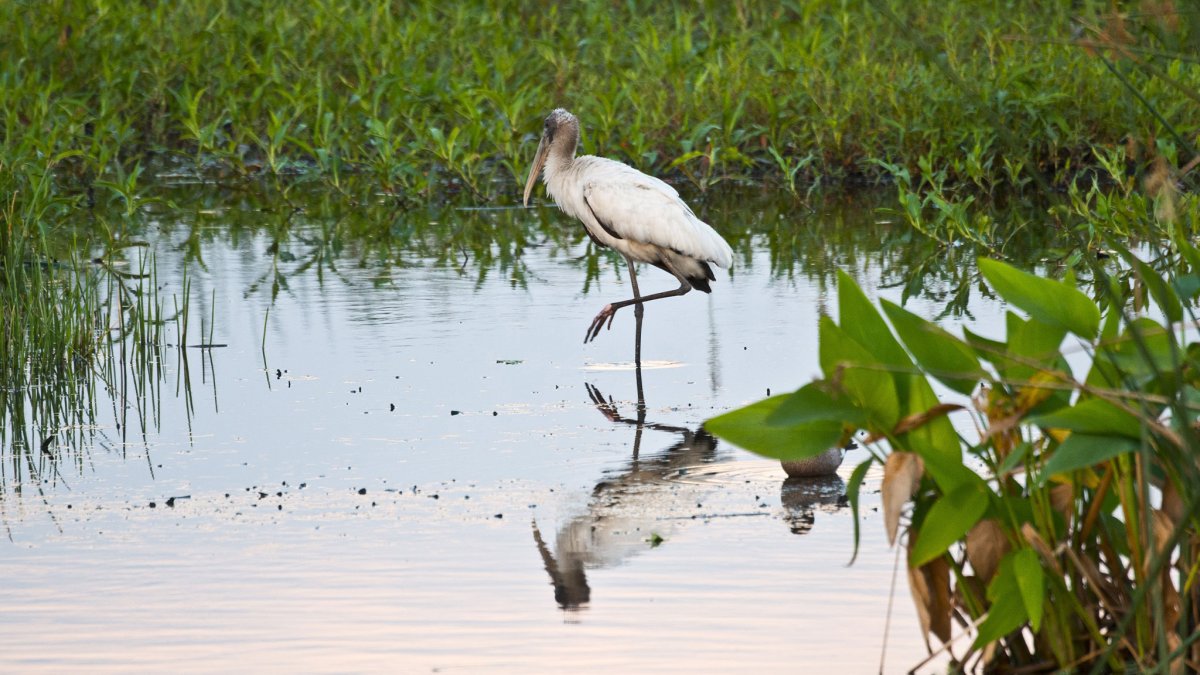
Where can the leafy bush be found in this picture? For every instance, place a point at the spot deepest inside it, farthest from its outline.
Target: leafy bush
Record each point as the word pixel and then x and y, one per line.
pixel 1061 533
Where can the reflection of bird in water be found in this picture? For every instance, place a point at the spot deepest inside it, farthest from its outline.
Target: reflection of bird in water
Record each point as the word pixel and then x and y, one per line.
pixel 802 497
pixel 621 520
pixel 571 590
pixel 622 208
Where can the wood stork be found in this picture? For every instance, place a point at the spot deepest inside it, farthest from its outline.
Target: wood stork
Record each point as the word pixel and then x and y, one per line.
pixel 622 208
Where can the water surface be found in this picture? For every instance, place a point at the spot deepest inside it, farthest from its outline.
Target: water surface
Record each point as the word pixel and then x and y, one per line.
pixel 421 467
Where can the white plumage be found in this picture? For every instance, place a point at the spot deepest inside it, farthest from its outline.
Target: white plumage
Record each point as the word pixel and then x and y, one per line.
pixel 622 208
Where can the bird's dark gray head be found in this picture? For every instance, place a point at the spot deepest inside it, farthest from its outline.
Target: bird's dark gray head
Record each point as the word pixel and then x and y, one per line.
pixel 560 137
pixel 559 121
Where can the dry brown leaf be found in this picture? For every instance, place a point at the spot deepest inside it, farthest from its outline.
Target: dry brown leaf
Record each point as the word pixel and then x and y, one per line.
pixel 1030 533
pixel 1178 665
pixel 1165 11
pixel 919 587
pixel 1108 594
pixel 1161 184
pixel 1172 604
pixel 1000 426
pixel 930 586
pixel 938 575
pixel 1164 527
pixel 986 545
pixel 988 657
pixel 1172 503
pixel 901 476
pixel 1161 529
pixel 1003 423
pixel 1062 499
pixel 921 419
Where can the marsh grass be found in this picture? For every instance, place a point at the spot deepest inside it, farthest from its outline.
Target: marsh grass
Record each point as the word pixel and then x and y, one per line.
pixel 67 332
pixel 79 310
pixel 425 98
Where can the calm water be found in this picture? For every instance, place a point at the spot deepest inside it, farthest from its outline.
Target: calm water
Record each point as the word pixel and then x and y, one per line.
pixel 410 472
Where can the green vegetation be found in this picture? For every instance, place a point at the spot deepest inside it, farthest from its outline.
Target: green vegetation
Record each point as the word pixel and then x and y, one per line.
pixel 67 328
pixel 354 115
pixel 1076 548
pixel 424 95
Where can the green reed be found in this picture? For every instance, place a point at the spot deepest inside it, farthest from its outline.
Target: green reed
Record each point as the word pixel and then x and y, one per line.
pixel 79 309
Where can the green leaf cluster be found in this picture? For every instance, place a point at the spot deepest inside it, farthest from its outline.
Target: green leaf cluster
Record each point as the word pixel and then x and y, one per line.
pixel 1061 466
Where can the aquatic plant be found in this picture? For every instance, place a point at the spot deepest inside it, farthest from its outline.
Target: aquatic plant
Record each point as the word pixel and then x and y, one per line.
pixel 80 308
pixel 1048 517
pixel 428 100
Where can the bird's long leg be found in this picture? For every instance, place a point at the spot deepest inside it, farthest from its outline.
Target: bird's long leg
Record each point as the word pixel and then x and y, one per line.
pixel 637 297
pixel 638 311
pixel 610 310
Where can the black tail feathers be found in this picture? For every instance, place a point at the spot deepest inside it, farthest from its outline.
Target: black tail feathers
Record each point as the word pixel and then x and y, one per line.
pixel 701 283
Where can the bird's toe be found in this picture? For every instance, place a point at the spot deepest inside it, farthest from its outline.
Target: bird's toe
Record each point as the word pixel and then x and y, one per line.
pixel 598 323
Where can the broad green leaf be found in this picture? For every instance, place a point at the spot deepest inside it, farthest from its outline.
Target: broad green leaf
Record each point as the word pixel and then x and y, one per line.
pixel 1034 347
pixel 867 381
pixel 1015 457
pixel 1187 285
pixel 941 354
pixel 948 521
pixel 1027 568
pixel 1103 373
pixel 852 489
pixel 863 323
pixel 987 349
pixel 936 442
pixel 1091 416
pixel 1112 324
pixel 1144 351
pixel 1080 451
pixel 1035 341
pixel 1046 300
pixel 1007 612
pixel 810 403
pixel 747 427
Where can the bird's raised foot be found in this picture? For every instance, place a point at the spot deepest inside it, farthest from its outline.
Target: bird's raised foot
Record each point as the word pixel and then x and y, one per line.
pixel 597 323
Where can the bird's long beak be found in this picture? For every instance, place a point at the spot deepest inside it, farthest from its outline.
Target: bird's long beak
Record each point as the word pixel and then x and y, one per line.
pixel 536 170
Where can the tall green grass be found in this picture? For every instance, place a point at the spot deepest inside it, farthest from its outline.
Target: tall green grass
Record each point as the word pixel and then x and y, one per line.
pixel 424 96
pixel 79 309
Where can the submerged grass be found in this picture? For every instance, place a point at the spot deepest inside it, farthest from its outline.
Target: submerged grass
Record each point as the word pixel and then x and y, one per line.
pixel 79 309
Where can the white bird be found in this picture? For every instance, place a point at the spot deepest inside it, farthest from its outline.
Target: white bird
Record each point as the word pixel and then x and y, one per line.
pixel 624 209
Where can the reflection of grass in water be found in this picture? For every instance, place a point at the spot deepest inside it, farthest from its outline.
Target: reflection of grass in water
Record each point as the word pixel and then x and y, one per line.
pixel 324 232
pixel 70 327
pixel 70 324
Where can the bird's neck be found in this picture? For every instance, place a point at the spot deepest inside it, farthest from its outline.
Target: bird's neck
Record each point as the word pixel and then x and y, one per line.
pixel 558 163
pixel 562 153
